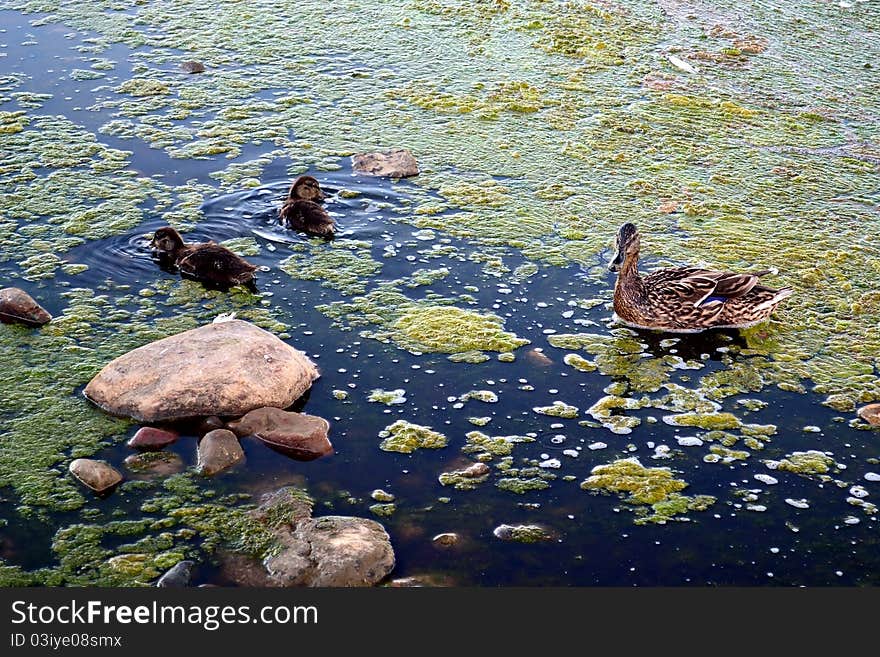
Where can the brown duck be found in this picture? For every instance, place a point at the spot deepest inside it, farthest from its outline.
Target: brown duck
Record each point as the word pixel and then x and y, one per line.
pixel 302 212
pixel 306 188
pixel 204 261
pixel 687 299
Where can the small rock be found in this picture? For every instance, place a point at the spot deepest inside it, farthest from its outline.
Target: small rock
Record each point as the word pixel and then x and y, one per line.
pixel 192 66
pixel 475 470
pixel 208 424
pixel 98 476
pixel 17 306
pixel 218 450
pixel 177 576
pixel 398 163
pixel 152 438
pixel 447 539
pixel 297 435
pixel 870 414
pixel 522 533
pixel 160 464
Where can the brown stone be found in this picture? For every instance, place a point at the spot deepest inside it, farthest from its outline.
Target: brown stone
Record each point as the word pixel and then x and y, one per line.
pixel 398 163
pixel 152 438
pixel 192 66
pixel 227 368
pixel 218 451
pixel 98 476
pixel 870 414
pixel 297 435
pixel 17 306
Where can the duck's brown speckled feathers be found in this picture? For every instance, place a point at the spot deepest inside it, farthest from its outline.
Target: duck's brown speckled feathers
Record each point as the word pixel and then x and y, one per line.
pixel 306 188
pixel 687 299
pixel 307 217
pixel 205 261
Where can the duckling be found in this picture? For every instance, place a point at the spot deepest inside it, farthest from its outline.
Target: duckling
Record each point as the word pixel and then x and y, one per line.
pixel 687 299
pixel 207 262
pixel 307 217
pixel 307 189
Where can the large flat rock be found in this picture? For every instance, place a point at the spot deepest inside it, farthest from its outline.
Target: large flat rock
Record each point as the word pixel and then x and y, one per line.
pixel 225 369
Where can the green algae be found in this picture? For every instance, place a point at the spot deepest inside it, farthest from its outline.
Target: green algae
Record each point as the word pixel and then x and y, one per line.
pixel 522 485
pixel 342 265
pixel 406 437
pixel 448 329
pixel 807 463
pixel 485 447
pixel 641 485
pixel 481 421
pixel 387 397
pixel 527 534
pixel 383 510
pixel 558 409
pixel 718 421
pixel 485 396
pixel 464 479
pixel 674 507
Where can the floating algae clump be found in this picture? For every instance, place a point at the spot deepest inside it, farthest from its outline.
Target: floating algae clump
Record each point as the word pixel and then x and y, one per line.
pixel 406 437
pixel 522 533
pixel 708 421
pixel 674 507
pixel 450 330
pixel 643 485
pixel 810 462
pixel 488 446
pixel 388 397
pixel 558 409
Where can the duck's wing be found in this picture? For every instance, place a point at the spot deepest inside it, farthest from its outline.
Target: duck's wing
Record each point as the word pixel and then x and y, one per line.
pixel 215 259
pixel 701 286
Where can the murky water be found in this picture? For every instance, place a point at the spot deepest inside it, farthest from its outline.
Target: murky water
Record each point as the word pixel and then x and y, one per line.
pixel 412 238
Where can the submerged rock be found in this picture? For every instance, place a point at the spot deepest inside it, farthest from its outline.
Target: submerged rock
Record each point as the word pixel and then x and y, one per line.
pixel 192 66
pixel 160 464
pixel 17 306
pixel 228 368
pixel 870 414
pixel 98 476
pixel 152 438
pixel 209 424
pixel 398 163
pixel 177 576
pixel 332 551
pixel 297 435
pixel 446 539
pixel 522 533
pixel 218 451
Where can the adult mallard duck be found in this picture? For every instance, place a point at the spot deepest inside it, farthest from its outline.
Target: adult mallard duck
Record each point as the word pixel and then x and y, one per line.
pixel 204 261
pixel 686 299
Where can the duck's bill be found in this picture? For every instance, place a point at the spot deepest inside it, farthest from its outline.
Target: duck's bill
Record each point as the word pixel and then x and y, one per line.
pixel 615 264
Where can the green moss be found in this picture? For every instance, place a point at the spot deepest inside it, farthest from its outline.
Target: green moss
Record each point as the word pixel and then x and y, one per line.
pixel 144 87
pixel 480 421
pixel 807 463
pixel 447 329
pixel 527 534
pixel 521 485
pixel 558 409
pixel 642 485
pixel 387 397
pixel 485 396
pixel 406 437
pixel 383 510
pixel 486 447
pixel 674 507
pixel 709 421
pixel 579 363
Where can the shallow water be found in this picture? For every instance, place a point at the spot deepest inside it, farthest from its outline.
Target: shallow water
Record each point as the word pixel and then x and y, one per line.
pixel 462 234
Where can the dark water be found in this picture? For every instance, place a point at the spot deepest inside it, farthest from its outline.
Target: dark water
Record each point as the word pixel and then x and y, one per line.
pixel 598 544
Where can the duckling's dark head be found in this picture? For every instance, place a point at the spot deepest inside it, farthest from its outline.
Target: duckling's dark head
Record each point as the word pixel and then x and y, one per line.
pixel 167 240
pixel 626 244
pixel 307 189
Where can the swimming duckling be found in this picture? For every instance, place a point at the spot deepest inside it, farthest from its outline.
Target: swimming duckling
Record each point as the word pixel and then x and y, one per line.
pixel 307 217
pixel 687 299
pixel 204 261
pixel 307 189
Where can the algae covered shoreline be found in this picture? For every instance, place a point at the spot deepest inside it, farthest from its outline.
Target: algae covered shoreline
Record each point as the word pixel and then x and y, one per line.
pixel 733 137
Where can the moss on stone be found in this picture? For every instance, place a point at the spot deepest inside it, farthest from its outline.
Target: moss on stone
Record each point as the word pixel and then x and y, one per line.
pixel 406 437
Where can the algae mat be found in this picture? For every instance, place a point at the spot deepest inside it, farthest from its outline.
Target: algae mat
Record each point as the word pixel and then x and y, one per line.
pixel 739 137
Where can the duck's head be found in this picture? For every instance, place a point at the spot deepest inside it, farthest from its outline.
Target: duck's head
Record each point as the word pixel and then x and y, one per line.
pixel 307 189
pixel 626 245
pixel 167 240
